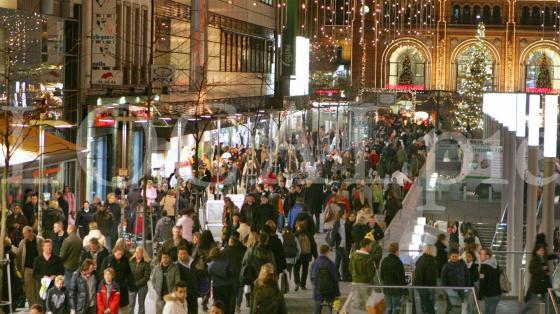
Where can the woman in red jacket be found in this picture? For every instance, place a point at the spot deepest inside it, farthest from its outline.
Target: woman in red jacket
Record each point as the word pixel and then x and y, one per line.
pixel 108 294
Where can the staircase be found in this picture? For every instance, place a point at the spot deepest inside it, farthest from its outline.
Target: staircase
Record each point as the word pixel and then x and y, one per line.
pixel 499 243
pixel 485 232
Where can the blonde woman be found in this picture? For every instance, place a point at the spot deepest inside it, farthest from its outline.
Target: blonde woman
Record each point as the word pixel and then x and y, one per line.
pixel 252 240
pixel 267 298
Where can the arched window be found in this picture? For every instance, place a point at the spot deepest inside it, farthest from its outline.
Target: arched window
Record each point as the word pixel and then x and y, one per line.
pixel 497 15
pixel 476 15
pixel 525 16
pixel 463 62
pixel 407 68
pixel 486 15
pixel 536 16
pixel 542 71
pixel 466 15
pixel 456 14
pixel 547 16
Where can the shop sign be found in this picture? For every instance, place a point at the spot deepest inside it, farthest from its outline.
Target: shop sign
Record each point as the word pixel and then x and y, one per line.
pixel 289 38
pixel 386 99
pixel 104 43
pixel 163 74
pixel 46 171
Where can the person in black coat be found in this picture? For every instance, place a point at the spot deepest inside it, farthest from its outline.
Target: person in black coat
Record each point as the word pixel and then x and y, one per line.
pixel 441 252
pixel 264 213
pixel 124 278
pixel 313 199
pixel 392 274
pixel 426 274
pixel 64 206
pixel 472 266
pixel 189 275
pixel 540 278
pixel 275 245
pixel 100 253
pixel 235 251
pixel 489 290
pixel 305 219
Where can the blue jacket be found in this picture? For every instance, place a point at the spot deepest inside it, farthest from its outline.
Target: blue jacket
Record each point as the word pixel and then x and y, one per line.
pixel 321 261
pixel 294 212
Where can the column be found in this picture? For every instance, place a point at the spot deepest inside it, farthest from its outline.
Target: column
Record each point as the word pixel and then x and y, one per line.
pixel 532 173
pixel 550 139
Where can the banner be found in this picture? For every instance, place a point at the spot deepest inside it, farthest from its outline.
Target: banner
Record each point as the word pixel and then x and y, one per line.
pixel 487 160
pixel 289 38
pixel 104 44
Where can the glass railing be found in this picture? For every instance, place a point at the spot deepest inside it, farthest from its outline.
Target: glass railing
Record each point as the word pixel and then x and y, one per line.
pixel 551 303
pixel 409 299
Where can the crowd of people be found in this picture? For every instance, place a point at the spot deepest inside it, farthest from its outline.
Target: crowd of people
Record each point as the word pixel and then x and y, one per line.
pixel 88 259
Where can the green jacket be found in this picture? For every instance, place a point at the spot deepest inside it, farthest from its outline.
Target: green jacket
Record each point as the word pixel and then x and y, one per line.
pixel 378 195
pixel 71 251
pixel 401 155
pixel 362 267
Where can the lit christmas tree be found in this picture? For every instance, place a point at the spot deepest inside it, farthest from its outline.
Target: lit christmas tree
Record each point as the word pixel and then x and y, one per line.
pixel 406 77
pixel 469 109
pixel 543 79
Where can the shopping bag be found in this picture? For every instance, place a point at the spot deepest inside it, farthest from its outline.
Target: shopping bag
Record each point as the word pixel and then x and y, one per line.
pixel 375 303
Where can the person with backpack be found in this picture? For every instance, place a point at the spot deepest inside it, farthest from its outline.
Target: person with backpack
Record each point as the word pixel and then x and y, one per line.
pixel 267 298
pixel 291 250
pixel 490 290
pixel 253 260
pixel 308 249
pixel 324 277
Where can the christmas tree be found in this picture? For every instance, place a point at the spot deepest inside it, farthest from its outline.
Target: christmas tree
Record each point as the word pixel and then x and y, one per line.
pixel 543 79
pixel 474 84
pixel 406 77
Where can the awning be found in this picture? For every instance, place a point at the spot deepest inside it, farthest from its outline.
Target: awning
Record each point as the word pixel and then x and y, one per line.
pixel 26 141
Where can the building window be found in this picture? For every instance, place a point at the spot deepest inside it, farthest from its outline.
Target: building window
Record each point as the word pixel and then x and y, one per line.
pixel 456 14
pixel 486 15
pixel 244 53
pixel 476 15
pixel 525 16
pixel 542 72
pixel 536 16
pixel 466 14
pixel 497 15
pixel 407 67
pixel 267 2
pixel 463 66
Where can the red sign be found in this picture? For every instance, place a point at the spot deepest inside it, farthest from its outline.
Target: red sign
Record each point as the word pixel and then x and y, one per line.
pixel 46 171
pixel 327 92
pixel 541 90
pixel 405 87
pixel 104 120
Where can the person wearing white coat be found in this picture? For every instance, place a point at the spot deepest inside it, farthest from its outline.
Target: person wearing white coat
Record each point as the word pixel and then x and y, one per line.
pixel 175 303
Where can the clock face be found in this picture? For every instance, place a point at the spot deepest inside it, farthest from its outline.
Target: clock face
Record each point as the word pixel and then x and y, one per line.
pixel 364 9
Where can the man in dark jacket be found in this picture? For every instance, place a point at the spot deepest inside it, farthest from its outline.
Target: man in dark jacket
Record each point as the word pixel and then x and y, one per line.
pixel 264 213
pixel 58 236
pixel 313 196
pixel 188 274
pixel 343 244
pixel 426 275
pixel 455 272
pixel 30 209
pixel 105 221
pixel 441 251
pixel 141 272
pixel 275 245
pixel 392 274
pixel 82 289
pixel 47 264
pixel 254 258
pixel 63 204
pixel 490 290
pixel 235 251
pixel 324 277
pixel 170 246
pixel 97 253
pixel 70 252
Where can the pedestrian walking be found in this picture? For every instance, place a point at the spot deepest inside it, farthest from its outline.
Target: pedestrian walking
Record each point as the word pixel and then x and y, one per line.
pixel 82 289
pixel 324 278
pixel 140 268
pixel 426 274
pixel 175 302
pixel 392 274
pixel 267 298
pixel 108 294
pixel 164 277
pixel 490 289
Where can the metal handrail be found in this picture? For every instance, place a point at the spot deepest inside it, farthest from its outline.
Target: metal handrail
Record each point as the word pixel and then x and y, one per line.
pixel 552 299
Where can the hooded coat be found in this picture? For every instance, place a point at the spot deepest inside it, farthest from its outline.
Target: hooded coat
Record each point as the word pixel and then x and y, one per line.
pixel 174 305
pixel 489 279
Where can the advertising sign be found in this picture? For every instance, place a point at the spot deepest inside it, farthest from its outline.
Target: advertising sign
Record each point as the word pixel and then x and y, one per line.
pixel 289 38
pixel 487 160
pixel 104 43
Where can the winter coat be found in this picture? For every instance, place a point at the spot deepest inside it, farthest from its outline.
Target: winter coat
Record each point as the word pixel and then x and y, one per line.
pixel 58 301
pixel 190 276
pixel 362 267
pixel 79 293
pixel 42 267
pixel 222 272
pixel 473 274
pixel 83 220
pixel 170 247
pixel 106 223
pixel 168 204
pixel 95 234
pixel 22 252
pixel 164 229
pixel 101 255
pixel 441 256
pixel 173 277
pixel 276 247
pixel 293 214
pixel 50 216
pixel 114 300
pixel 71 251
pixel 455 275
pixel 347 232
pixel 235 255
pixel 174 306
pixel 324 261
pixel 392 274
pixel 123 275
pixel 57 242
pixel 540 278
pixel 140 272
pixel 359 231
pixel 426 272
pixel 489 283
pixel 248 212
pixel 267 299
pixel 252 261
pixel 264 213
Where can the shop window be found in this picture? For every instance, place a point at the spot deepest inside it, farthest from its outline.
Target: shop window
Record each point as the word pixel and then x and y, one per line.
pixel 497 15
pixel 242 53
pixel 542 72
pixel 547 17
pixel 486 15
pixel 463 66
pixel 407 59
